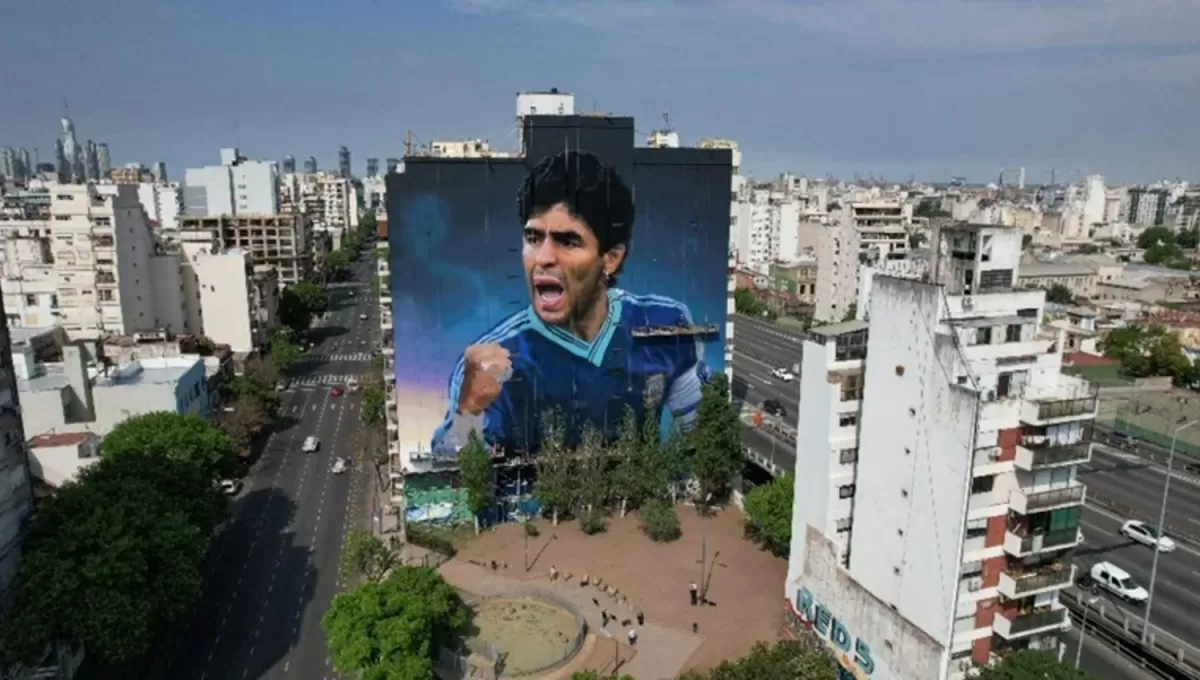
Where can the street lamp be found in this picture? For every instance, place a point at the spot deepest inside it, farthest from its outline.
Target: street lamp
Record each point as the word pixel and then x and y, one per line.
pixel 704 546
pixel 1087 606
pixel 1162 519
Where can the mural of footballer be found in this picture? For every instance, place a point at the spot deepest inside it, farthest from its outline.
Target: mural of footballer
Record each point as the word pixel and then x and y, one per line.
pixel 573 348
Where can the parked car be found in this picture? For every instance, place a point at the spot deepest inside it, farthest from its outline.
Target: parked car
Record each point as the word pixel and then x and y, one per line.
pixel 352 385
pixel 230 487
pixel 339 466
pixel 362 317
pixel 336 392
pixel 1192 468
pixel 1121 440
pixel 774 407
pixel 1110 577
pixel 1147 535
pixel 311 444
pixel 783 374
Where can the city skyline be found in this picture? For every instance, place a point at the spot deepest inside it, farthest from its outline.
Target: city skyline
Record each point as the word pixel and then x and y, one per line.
pixel 815 89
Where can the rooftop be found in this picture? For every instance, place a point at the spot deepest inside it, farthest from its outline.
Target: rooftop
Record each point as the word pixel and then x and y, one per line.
pixel 153 371
pixel 1034 270
pixel 55 440
pixel 843 328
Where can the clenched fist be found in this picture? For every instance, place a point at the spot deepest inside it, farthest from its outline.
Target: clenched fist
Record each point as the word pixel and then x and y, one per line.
pixel 485 368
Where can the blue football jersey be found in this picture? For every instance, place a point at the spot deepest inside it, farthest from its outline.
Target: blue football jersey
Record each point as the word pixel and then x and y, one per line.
pixel 585 381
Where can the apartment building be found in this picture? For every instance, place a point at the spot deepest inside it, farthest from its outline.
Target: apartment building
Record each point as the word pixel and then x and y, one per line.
pixel 163 204
pixel 16 491
pixel 238 186
pixel 937 495
pixel 282 241
pixel 329 201
pixel 227 298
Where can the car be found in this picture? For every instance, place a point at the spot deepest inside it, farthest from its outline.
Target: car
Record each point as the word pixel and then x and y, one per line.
pixel 352 385
pixel 1121 440
pixel 336 391
pixel 774 407
pixel 1110 577
pixel 362 317
pixel 339 466
pixel 1146 534
pixel 783 374
pixel 281 385
pixel 311 444
pixel 229 487
pixel 1193 468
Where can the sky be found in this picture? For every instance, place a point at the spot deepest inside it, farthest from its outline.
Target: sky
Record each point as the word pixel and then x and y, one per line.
pixel 929 89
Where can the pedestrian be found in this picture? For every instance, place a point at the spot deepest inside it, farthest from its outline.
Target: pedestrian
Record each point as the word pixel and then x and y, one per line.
pixel 641 619
pixel 493 565
pixel 695 628
pixel 553 573
pixel 632 637
pixel 604 618
pixel 695 592
pixel 595 602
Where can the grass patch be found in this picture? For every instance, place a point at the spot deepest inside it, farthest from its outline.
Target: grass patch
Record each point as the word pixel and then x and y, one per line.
pixel 1101 374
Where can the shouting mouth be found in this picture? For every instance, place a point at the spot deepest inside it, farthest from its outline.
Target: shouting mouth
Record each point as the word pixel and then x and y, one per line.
pixel 549 294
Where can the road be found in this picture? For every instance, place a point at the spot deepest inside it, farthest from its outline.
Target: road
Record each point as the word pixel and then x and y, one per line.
pixel 1138 483
pixel 273 571
pixel 1101 660
pixel 759 348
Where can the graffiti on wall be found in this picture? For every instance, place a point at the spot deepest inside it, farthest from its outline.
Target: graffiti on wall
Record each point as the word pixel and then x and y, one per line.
pixel 809 615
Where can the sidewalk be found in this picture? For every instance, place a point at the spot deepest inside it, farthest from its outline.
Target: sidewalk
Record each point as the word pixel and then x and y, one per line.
pixel 661 652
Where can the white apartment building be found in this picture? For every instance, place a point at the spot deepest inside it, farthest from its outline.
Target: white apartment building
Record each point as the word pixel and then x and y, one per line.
pixel 238 186
pixel 548 103
pixel 227 299
pixel 329 201
pixel 464 148
pixel 937 491
pixel 16 491
pixel 163 204
pixel 869 232
pixel 56 459
pixel 282 241
pixel 89 262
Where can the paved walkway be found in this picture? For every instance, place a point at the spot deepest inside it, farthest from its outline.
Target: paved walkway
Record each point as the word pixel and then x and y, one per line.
pixel 662 652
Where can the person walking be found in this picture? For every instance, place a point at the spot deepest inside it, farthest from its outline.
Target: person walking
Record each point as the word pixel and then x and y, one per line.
pixel 641 619
pixel 695 628
pixel 632 637
pixel 695 592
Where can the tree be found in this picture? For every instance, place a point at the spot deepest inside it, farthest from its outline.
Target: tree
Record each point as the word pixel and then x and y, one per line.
pixel 1161 253
pixel 659 521
pixel 262 372
pixel 475 469
pixel 1030 665
pixel 803 659
pixel 392 629
pixel 283 352
pixel 596 675
pixel 630 480
pixel 372 441
pixel 368 224
pixel 716 439
pixel 1059 294
pixel 554 486
pixel 299 303
pixel 745 302
pixel 1155 236
pixel 113 558
pixel 1188 239
pixel 591 470
pixel 184 438
pixel 851 312
pixel 337 262
pixel 373 403
pixel 247 419
pixel 365 556
pixel 769 514
pixel 916 239
pixel 1147 351
pixel 1026 241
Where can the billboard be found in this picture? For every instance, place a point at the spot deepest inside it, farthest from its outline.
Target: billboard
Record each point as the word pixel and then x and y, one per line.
pixel 555 283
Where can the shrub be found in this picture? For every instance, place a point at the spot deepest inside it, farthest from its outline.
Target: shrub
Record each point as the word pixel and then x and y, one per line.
pixel 430 539
pixel 659 521
pixel 593 522
pixel 531 530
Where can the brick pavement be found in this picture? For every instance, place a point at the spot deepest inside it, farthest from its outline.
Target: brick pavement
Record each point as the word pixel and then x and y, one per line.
pixel 661 652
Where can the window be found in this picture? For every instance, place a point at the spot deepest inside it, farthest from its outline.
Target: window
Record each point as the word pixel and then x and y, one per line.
pixel 1012 332
pixel 847 456
pixel 847 419
pixel 1003 385
pixel 983 484
pixel 31 300
pixel 844 524
pixel 64 197
pixel 846 491
pixel 983 336
pixel 977 528
pixel 1028 313
pixel 62 218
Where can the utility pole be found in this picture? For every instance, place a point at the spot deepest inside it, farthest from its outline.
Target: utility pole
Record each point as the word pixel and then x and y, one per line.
pixel 1087 606
pixel 1162 518
pixel 704 547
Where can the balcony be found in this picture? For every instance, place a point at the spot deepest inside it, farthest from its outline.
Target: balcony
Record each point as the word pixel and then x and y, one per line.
pixel 1072 399
pixel 1015 585
pixel 1038 451
pixel 1026 502
pixel 1027 546
pixel 1015 626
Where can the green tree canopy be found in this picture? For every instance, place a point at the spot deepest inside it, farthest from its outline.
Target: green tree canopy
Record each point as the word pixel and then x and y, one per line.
pixel 245 421
pixel 1059 294
pixel 185 438
pixel 769 514
pixel 555 484
pixel 1147 351
pixel 114 557
pixel 366 556
pixel 716 439
pixel 374 402
pixel 1162 253
pixel 475 466
pixel 391 630
pixel 1188 239
pixel 1155 236
pixel 283 351
pixel 1031 665
pixel 299 303
pixel 337 262
pixel 745 302
pixel 803 659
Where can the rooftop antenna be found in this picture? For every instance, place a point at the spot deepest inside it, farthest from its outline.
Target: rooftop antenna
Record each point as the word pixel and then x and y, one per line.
pixel 666 121
pixel 66 109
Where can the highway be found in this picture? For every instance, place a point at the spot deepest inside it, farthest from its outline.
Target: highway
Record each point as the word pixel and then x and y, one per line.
pixel 273 571
pixel 759 348
pixel 1138 483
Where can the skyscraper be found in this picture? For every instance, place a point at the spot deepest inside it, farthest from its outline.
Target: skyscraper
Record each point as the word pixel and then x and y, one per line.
pixel 310 164
pixel 103 160
pixel 91 164
pixel 72 152
pixel 159 171
pixel 25 163
pixel 61 165
pixel 372 167
pixel 8 163
pixel 344 163
pixel 288 164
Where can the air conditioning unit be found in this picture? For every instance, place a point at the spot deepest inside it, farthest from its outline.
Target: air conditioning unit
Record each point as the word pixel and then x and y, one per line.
pixel 974 585
pixel 968 303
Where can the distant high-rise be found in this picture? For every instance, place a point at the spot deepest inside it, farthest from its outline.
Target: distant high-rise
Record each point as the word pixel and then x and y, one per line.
pixel 160 172
pixel 25 164
pixel 103 160
pixel 8 163
pixel 392 165
pixel 372 167
pixel 91 164
pixel 61 165
pixel 288 164
pixel 344 163
pixel 310 164
pixel 72 152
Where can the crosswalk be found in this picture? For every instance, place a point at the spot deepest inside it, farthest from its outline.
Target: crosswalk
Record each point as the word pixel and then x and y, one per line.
pixel 339 379
pixel 327 358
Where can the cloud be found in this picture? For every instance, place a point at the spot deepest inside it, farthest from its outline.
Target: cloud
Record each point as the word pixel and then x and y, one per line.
pixel 876 28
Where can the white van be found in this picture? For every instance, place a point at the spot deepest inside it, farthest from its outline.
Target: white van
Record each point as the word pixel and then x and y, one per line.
pixel 311 444
pixel 1117 581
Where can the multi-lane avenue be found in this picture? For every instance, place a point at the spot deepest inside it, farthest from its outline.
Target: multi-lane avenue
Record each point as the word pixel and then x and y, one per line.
pixel 273 570
pixel 760 348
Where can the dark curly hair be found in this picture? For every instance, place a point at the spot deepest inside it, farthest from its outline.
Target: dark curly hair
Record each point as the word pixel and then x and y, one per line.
pixel 592 192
